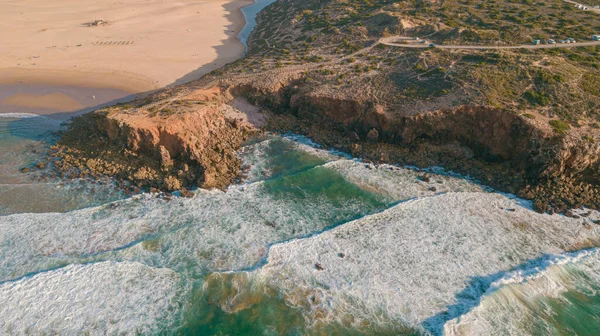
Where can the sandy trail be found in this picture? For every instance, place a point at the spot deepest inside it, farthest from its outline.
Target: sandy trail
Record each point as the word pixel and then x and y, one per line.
pixel 410 43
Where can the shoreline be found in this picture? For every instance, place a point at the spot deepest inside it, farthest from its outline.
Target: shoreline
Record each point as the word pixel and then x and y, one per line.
pixel 228 49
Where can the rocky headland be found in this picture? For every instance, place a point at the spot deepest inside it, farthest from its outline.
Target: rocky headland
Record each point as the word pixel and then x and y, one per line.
pixel 157 143
pixel 521 121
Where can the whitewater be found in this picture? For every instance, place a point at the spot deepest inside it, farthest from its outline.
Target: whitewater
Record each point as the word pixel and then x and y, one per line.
pixel 310 242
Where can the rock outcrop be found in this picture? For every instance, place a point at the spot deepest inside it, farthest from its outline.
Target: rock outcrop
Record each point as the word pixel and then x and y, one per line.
pixel 165 144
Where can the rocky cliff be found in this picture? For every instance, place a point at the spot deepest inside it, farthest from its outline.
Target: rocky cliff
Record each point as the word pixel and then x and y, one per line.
pixel 501 148
pixel 167 144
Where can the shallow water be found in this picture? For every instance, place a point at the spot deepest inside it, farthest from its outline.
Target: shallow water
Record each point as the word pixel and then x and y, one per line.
pixel 24 141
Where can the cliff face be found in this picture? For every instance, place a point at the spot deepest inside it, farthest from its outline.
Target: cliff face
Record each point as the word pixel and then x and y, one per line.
pixel 497 146
pixel 168 145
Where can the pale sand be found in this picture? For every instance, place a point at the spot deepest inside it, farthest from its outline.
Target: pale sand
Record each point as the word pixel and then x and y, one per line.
pixel 148 44
pixel 245 112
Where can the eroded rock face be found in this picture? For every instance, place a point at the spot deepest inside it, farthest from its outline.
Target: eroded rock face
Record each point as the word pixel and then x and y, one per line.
pixel 497 146
pixel 168 145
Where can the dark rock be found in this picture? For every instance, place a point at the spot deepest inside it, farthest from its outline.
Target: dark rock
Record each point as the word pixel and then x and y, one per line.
pixel 319 267
pixel 355 148
pixel 373 135
pixel 341 255
pixel 186 193
pixel 434 189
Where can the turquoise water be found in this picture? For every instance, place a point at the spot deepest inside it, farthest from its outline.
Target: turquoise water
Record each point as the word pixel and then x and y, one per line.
pixel 310 243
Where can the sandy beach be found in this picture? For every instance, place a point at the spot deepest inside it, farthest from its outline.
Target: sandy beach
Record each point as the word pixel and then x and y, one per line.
pixel 139 46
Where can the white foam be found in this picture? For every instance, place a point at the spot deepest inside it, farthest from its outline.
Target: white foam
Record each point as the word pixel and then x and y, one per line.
pixel 214 230
pixel 34 242
pixel 518 303
pixel 399 183
pixel 232 231
pixel 103 298
pixel 410 261
pixel 309 145
pixel 413 260
pixel 260 156
pixel 20 115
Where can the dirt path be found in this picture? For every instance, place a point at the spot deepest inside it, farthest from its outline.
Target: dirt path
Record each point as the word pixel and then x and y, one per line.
pixel 391 41
pixel 590 8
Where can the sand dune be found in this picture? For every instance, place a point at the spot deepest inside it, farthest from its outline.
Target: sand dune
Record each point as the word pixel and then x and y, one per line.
pixel 145 44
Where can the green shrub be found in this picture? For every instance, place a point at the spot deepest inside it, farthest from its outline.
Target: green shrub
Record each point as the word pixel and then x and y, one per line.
pixel 588 138
pixel 537 98
pixel 559 126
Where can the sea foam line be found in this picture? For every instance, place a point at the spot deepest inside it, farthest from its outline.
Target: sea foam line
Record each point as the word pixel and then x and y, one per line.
pixel 21 115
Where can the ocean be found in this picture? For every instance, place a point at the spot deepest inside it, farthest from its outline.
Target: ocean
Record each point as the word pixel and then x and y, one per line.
pixel 311 242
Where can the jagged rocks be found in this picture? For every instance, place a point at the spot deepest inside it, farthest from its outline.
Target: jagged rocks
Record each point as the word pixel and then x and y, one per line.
pixel 166 162
pixel 91 164
pixel 193 145
pixel 171 183
pixel 186 193
pixel 373 135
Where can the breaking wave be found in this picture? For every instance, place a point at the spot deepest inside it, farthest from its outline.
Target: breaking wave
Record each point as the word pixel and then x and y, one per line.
pixel 101 298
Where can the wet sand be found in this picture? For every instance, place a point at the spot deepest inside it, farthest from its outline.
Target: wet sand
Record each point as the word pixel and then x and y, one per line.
pixel 56 102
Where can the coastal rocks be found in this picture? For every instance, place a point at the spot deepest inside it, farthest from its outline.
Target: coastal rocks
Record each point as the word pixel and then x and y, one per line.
pixel 166 162
pixel 171 183
pixel 373 135
pixel 186 193
pixel 182 143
